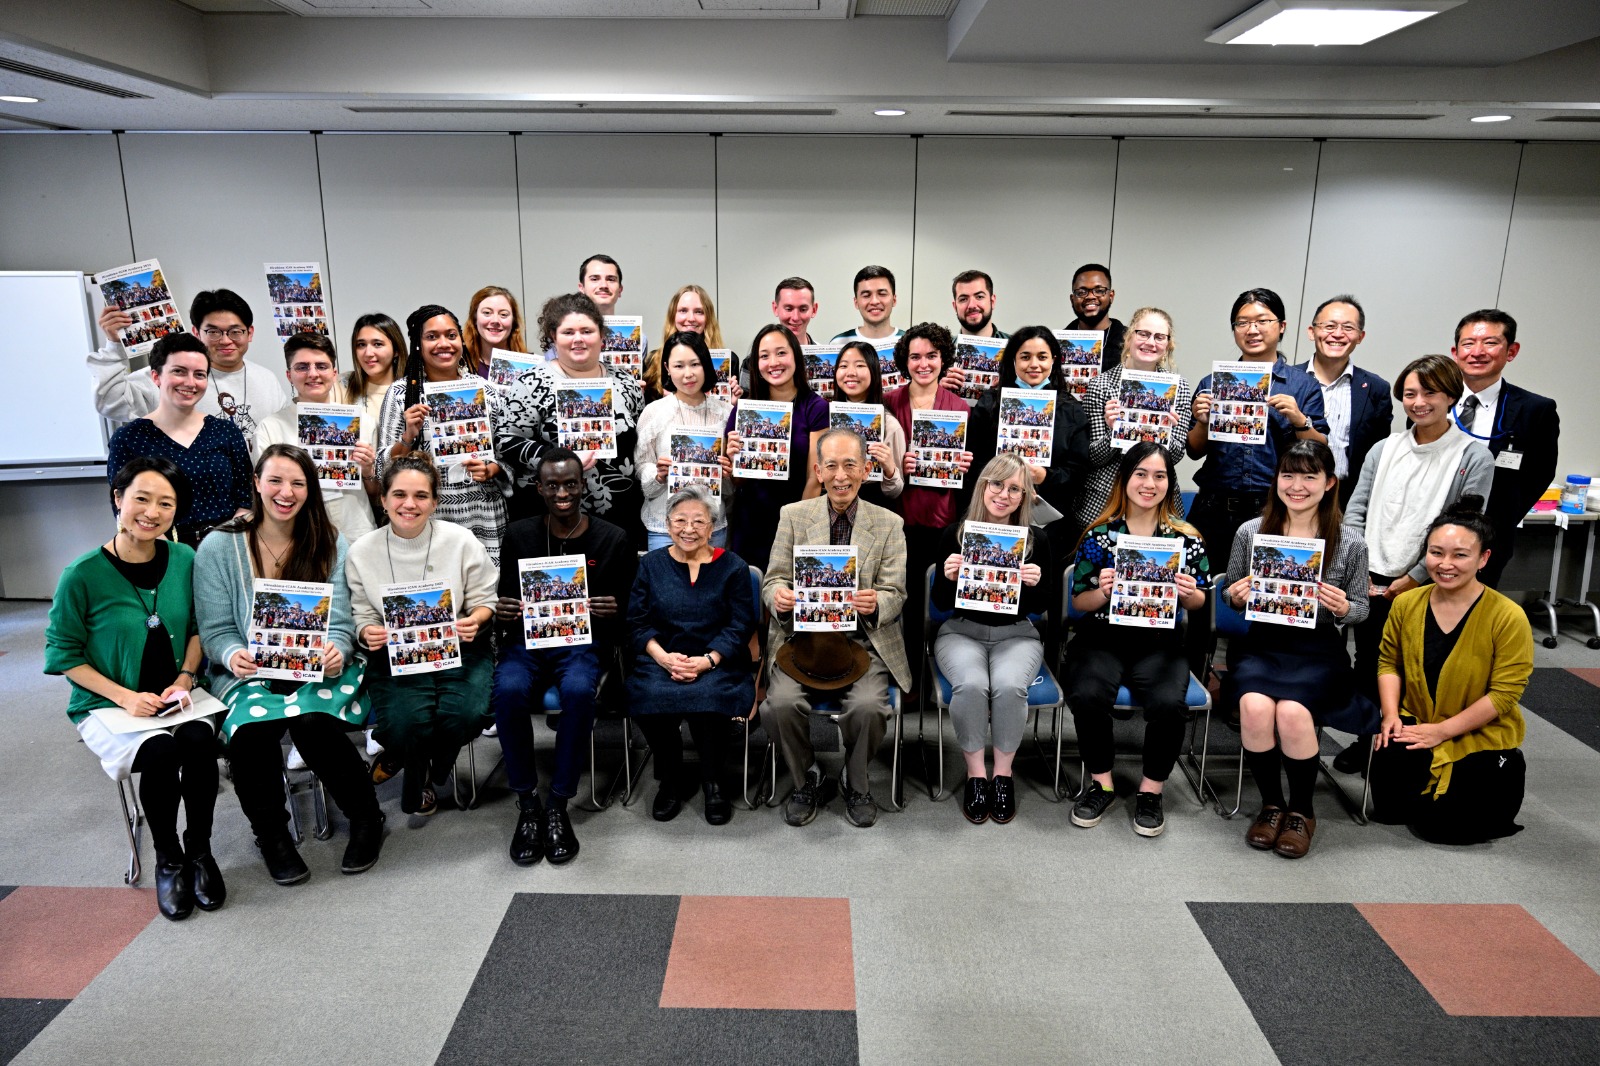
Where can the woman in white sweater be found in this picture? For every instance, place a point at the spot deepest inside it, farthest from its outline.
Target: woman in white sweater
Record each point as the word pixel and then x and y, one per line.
pixel 687 380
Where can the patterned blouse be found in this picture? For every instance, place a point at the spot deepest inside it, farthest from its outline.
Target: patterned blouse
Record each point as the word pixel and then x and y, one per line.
pixel 1103 458
pixel 1099 551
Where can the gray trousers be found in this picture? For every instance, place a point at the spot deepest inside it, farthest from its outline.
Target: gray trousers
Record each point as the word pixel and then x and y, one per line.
pixel 864 720
pixel 990 668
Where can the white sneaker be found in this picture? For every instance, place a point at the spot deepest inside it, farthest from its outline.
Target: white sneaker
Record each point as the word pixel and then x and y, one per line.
pixel 492 731
pixel 296 760
pixel 373 747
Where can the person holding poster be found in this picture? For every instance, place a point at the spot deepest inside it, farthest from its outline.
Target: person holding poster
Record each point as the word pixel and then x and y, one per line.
pixel 423 719
pixel 523 676
pixel 286 537
pixel 527 422
pixel 991 657
pixel 688 401
pixel 689 311
pixel 858 378
pixel 378 350
pixel 1145 502
pixel 690 620
pixel 1289 681
pixel 475 495
pixel 313 371
pixel 1091 296
pixel 210 451
pixel 121 630
pixel 777 378
pixel 1150 346
pixel 1032 360
pixel 494 321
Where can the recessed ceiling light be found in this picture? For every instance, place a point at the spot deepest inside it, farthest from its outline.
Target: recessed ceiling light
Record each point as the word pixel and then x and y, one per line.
pixel 1491 118
pixel 889 112
pixel 20 99
pixel 1326 22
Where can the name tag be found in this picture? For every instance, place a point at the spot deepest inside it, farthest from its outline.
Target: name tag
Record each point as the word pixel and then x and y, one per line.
pixel 1508 460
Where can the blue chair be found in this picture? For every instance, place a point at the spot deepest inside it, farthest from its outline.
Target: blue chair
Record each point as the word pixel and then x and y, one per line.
pixel 1197 699
pixel 1231 623
pixel 832 708
pixel 1044 694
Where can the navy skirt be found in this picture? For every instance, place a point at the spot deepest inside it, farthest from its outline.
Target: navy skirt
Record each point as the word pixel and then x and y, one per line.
pixel 1308 667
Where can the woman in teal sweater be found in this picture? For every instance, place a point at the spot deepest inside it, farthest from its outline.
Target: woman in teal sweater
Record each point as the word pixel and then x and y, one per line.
pixel 287 536
pixel 122 631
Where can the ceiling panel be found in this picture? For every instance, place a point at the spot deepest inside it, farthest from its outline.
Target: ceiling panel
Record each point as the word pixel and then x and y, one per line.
pixel 551 9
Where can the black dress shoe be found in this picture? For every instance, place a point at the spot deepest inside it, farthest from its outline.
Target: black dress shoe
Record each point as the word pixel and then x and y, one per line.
pixel 1002 799
pixel 1353 760
pixel 284 864
pixel 366 842
pixel 527 840
pixel 975 800
pixel 718 810
pixel 174 890
pixel 205 882
pixel 560 842
pixel 667 803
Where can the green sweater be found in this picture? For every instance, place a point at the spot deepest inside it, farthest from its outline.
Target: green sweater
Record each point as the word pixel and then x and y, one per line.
pixel 97 619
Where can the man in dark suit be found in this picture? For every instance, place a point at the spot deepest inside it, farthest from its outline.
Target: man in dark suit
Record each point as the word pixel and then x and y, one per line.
pixel 1356 401
pixel 1520 428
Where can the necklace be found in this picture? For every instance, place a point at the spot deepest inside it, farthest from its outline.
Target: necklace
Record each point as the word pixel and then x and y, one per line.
pixel 153 619
pixel 577 528
pixel 277 557
pixel 388 543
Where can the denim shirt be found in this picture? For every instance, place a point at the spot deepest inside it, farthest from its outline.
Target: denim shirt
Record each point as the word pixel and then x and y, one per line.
pixel 1233 467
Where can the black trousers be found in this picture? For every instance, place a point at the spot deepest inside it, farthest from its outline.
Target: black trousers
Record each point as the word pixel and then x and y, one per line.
pixel 175 767
pixel 710 733
pixel 1218 516
pixel 1157 677
pixel 256 752
pixel 1369 639
pixel 1485 794
pixel 922 544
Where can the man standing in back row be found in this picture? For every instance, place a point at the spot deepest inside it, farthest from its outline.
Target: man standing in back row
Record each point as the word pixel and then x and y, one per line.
pixel 1091 297
pixel 1356 402
pixel 875 300
pixel 972 296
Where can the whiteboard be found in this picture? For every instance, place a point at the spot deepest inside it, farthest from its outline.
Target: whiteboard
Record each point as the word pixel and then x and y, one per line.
pixel 51 418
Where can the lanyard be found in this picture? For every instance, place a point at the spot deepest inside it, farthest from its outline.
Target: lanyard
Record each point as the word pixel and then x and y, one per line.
pixel 1494 434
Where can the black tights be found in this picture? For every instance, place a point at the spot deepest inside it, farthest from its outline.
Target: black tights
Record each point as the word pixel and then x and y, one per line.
pixel 256 751
pixel 181 765
pixel 710 732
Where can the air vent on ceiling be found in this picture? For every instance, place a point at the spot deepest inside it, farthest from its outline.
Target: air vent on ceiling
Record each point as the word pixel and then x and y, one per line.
pixel 67 79
pixel 1571 118
pixel 594 109
pixel 1249 116
pixel 905 9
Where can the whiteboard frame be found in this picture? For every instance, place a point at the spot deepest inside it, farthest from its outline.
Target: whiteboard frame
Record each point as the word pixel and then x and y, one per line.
pixel 63 467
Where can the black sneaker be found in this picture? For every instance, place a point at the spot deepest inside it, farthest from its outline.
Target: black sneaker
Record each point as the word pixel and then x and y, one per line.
pixel 366 842
pixel 284 864
pixel 1148 821
pixel 860 808
pixel 1002 799
pixel 806 798
pixel 975 800
pixel 1088 811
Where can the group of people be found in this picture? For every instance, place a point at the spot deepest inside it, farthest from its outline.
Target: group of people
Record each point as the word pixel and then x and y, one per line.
pixel 213 492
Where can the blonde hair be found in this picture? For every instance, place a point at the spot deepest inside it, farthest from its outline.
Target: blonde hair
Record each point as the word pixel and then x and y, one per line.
pixel 712 333
pixel 1001 467
pixel 1169 362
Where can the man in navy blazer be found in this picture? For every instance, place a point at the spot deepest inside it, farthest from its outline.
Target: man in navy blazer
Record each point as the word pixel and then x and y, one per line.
pixel 1520 428
pixel 1356 402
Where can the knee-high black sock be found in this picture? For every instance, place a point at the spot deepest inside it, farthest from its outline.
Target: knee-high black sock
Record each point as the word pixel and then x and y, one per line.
pixel 1302 775
pixel 1264 767
pixel 157 767
pixel 197 754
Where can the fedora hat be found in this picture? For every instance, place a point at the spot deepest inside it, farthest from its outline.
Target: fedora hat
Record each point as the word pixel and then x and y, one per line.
pixel 823 660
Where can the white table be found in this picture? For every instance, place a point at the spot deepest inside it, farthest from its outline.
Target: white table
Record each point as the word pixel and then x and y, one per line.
pixel 1552 597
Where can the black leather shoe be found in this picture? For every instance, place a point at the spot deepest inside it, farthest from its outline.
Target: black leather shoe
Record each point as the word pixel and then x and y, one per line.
pixel 1002 799
pixel 667 803
pixel 975 800
pixel 1353 760
pixel 560 842
pixel 284 864
pixel 527 840
pixel 718 810
pixel 174 890
pixel 205 881
pixel 366 842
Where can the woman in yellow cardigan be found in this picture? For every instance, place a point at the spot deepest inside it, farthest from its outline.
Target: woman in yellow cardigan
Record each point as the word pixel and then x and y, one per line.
pixel 1455 658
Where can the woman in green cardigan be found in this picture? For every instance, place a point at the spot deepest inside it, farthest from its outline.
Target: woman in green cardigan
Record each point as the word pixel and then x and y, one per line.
pixel 122 631
pixel 1455 658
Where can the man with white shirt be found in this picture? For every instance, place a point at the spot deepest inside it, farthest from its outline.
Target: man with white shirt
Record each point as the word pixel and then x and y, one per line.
pixel 240 391
pixel 1356 401
pixel 875 300
pixel 600 279
pixel 1520 428
pixel 794 303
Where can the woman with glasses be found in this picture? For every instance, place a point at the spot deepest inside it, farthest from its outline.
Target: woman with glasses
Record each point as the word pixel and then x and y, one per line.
pixel 1145 502
pixel 691 616
pixel 990 657
pixel 1149 345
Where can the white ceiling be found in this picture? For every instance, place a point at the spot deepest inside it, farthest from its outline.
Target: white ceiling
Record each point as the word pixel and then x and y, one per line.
pixel 836 9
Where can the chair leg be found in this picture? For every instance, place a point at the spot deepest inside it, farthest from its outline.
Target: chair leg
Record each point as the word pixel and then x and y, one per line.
pixel 294 811
pixel 1356 810
pixel 132 822
pixel 472 777
pixel 749 800
pixel 322 828
pixel 771 758
pixel 896 801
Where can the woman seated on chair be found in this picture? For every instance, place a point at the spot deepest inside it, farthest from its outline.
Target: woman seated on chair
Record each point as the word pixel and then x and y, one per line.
pixel 1290 682
pixel 989 656
pixel 1145 502
pixel 287 536
pixel 121 629
pixel 423 718
pixel 692 614
pixel 1455 658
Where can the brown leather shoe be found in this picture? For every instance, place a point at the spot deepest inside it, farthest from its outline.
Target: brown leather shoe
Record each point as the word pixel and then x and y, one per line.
pixel 1295 840
pixel 1263 832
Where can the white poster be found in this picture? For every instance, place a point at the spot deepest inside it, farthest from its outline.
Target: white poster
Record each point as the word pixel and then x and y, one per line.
pixel 1239 402
pixel 763 427
pixel 624 344
pixel 295 290
pixel 421 620
pixel 289 629
pixel 555 601
pixel 1284 574
pixel 1147 400
pixel 937 440
pixel 1145 594
pixel 140 289
pixel 865 420
pixel 824 588
pixel 329 432
pixel 586 421
pixel 991 567
pixel 1081 351
pixel 979 360
pixel 458 421
pixel 1027 424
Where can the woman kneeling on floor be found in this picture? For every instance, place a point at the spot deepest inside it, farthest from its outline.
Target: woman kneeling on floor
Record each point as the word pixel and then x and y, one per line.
pixel 1145 502
pixel 1290 681
pixel 1455 658
pixel 287 536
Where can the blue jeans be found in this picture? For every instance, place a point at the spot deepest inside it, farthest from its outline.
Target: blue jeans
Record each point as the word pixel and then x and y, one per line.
pixel 661 540
pixel 521 678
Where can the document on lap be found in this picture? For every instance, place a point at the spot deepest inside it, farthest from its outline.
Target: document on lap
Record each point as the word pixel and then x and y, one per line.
pixel 990 578
pixel 139 289
pixel 824 588
pixel 295 290
pixel 1284 574
pixel 555 601
pixel 190 706
pixel 289 629
pixel 1145 591
pixel 421 620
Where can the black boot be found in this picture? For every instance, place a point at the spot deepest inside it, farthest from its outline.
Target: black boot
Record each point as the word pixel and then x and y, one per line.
pixel 205 881
pixel 366 842
pixel 527 840
pixel 560 843
pixel 284 864
pixel 718 810
pixel 174 888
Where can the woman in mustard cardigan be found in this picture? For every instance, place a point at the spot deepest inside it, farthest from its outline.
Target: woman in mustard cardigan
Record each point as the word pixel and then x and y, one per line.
pixel 1455 658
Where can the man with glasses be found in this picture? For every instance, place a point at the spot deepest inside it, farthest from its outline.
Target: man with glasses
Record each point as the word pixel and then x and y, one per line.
pixel 1091 297
pixel 1356 401
pixel 241 392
